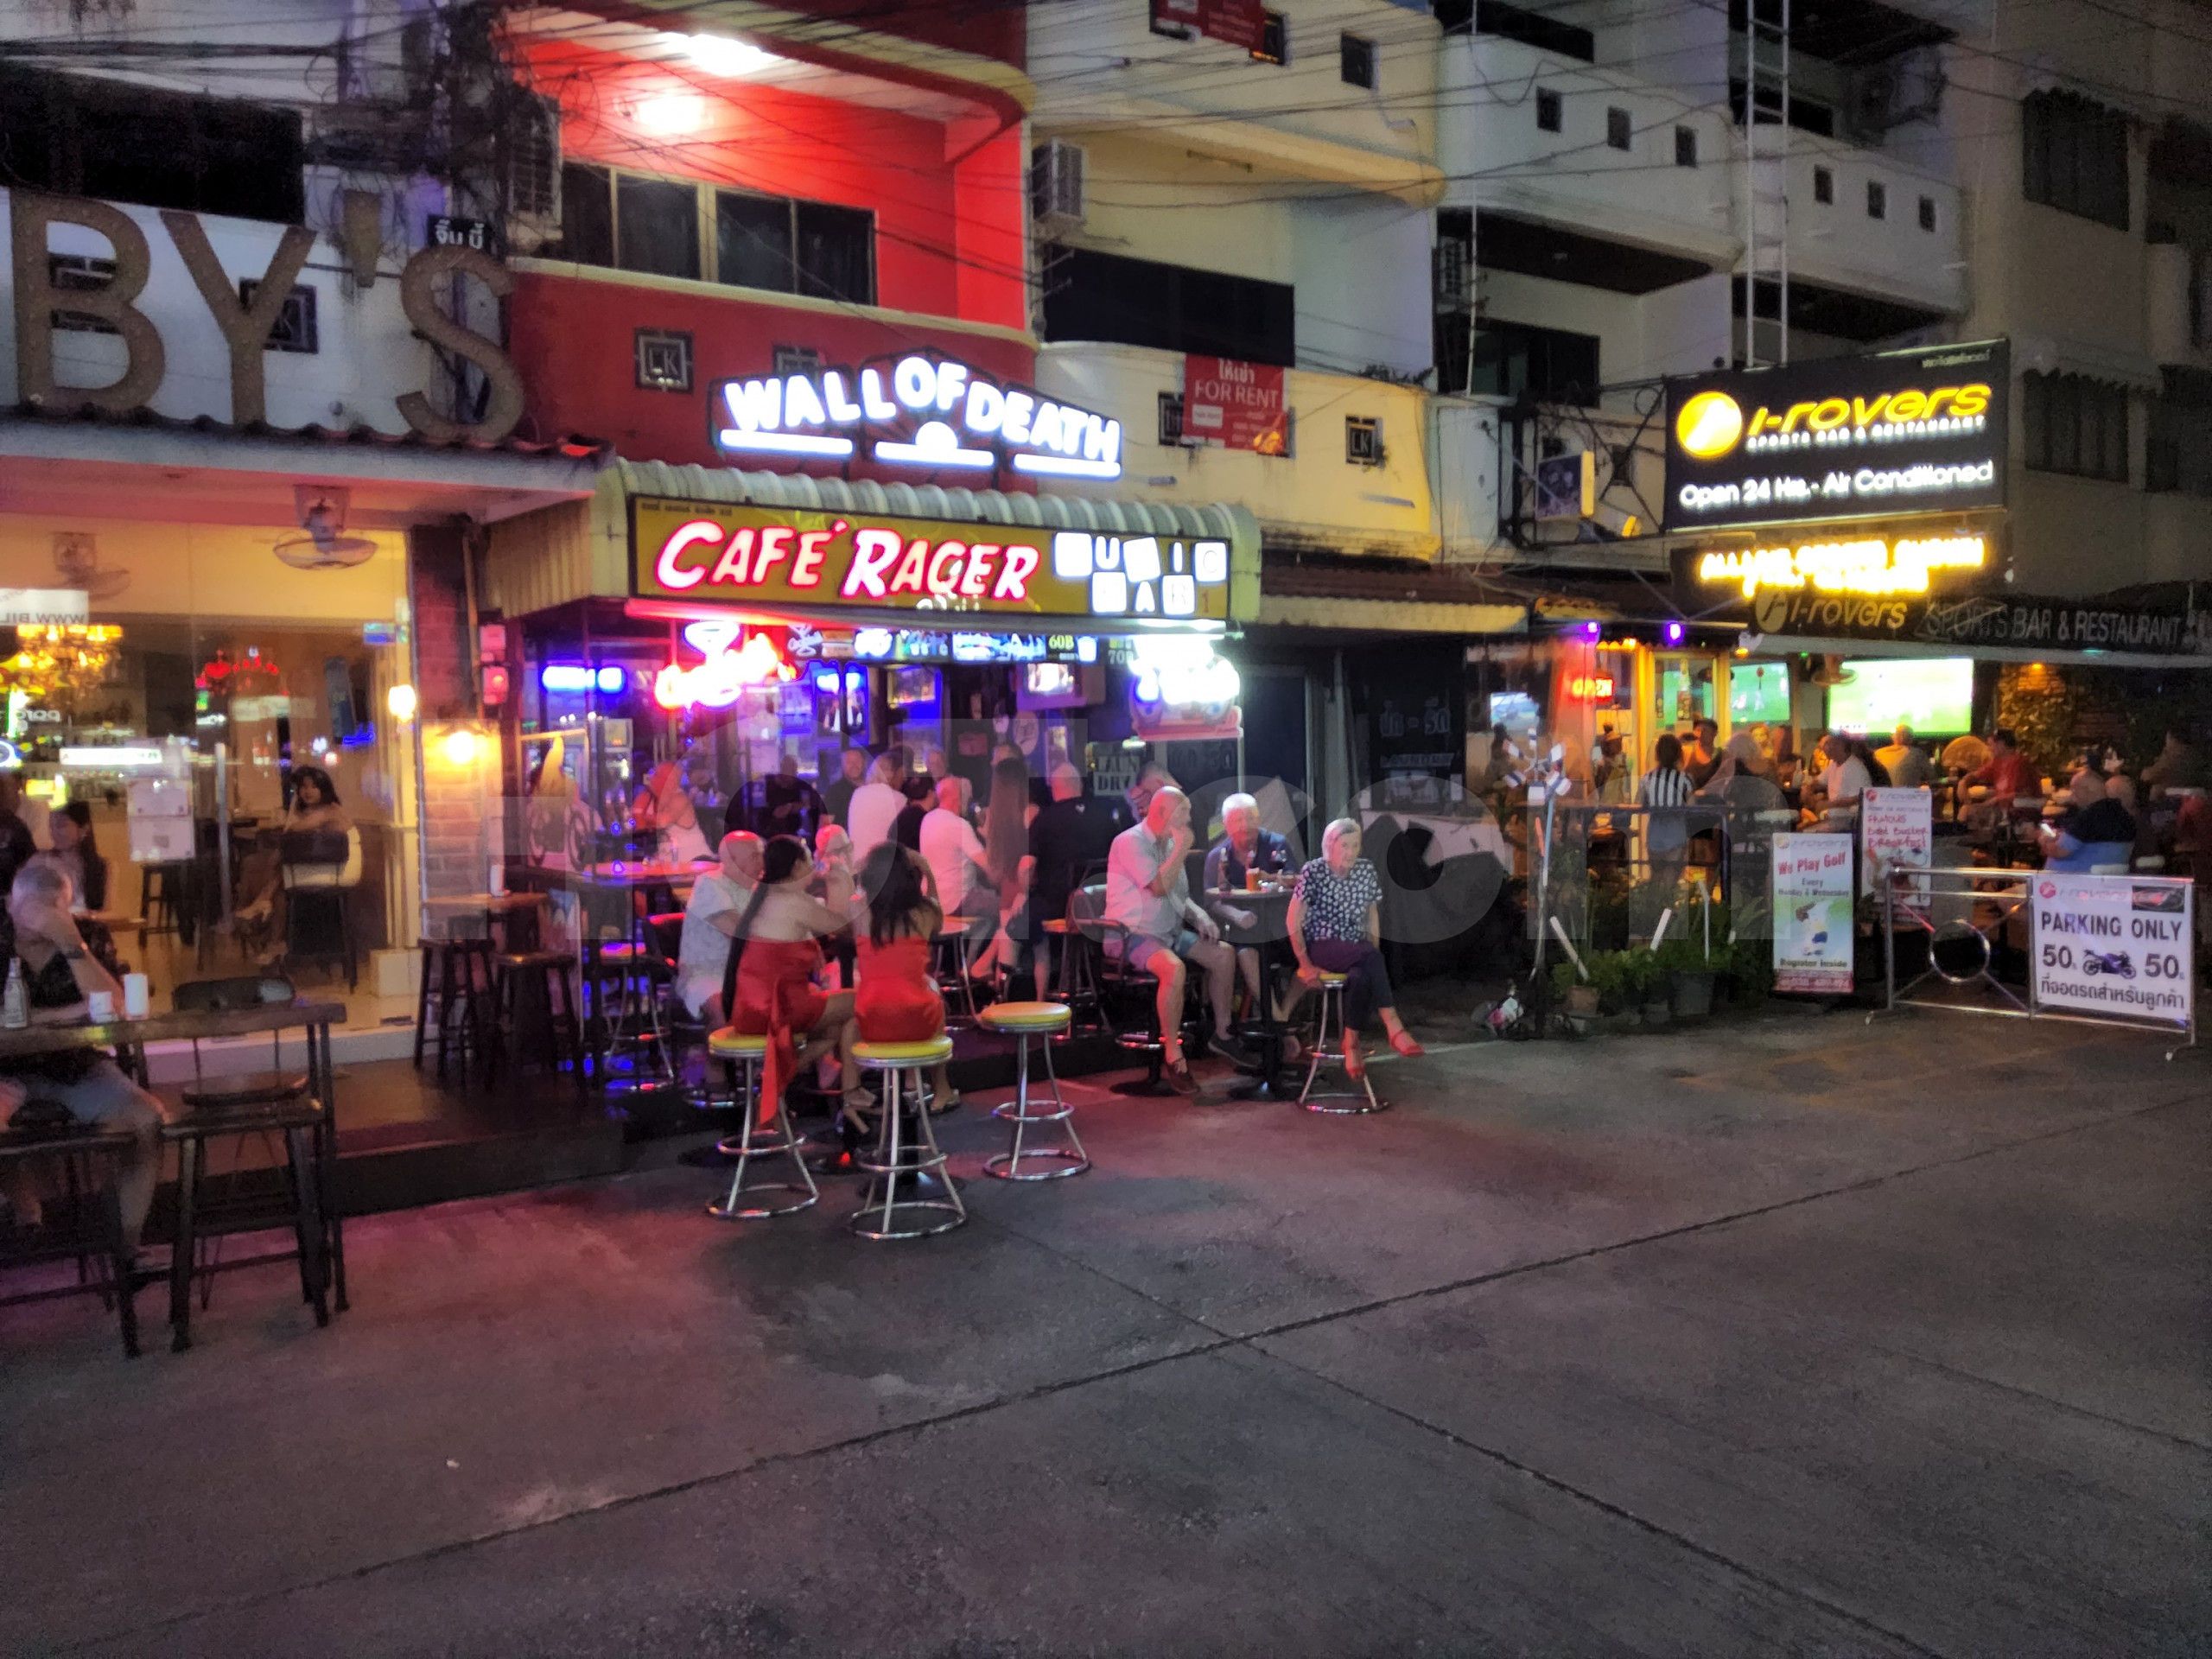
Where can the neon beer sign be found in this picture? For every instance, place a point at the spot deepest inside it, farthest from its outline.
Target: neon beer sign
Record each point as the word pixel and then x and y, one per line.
pixel 924 412
pixel 729 671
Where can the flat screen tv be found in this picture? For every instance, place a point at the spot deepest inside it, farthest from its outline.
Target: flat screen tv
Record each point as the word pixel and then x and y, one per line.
pixel 1935 696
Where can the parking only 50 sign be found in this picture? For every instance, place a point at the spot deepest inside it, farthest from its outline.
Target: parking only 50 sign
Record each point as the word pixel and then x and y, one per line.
pixel 2114 946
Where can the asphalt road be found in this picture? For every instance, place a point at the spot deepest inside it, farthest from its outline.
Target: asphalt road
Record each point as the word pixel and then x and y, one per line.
pixel 1791 1337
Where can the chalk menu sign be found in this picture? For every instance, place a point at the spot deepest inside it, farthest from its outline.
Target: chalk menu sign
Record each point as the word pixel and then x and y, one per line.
pixel 1416 716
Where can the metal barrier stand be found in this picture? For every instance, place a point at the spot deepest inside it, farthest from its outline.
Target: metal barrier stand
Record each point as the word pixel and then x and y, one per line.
pixel 2008 891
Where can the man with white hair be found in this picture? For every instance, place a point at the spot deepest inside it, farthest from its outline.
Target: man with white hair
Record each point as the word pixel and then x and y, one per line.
pixel 957 863
pixel 703 950
pixel 1148 893
pixel 1905 761
pixel 876 804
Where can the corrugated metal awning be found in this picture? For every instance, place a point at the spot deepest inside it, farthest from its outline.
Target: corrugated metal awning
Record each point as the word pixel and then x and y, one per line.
pixel 583 552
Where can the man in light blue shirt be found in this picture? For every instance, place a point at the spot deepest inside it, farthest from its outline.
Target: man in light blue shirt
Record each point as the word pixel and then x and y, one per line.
pixel 1148 893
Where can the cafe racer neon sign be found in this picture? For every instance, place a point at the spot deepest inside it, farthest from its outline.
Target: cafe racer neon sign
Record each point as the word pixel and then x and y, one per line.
pixel 928 413
pixel 727 675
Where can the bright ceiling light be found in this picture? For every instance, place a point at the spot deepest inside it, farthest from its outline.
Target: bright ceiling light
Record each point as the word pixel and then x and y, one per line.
pixel 668 114
pixel 720 55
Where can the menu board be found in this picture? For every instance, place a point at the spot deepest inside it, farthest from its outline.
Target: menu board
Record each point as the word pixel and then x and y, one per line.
pixel 1898 828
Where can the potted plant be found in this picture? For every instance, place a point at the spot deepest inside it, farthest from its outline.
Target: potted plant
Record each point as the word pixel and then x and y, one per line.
pixel 1651 979
pixel 1571 993
pixel 1689 974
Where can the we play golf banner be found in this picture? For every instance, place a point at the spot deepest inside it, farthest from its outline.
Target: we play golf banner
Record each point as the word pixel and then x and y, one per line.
pixel 2114 946
pixel 1812 903
pixel 1898 826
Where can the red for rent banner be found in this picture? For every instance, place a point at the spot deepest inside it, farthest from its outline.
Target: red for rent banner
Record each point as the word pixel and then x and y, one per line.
pixel 1237 405
pixel 1240 22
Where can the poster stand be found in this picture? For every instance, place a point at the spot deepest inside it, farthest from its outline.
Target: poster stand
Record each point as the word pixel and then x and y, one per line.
pixel 2056 980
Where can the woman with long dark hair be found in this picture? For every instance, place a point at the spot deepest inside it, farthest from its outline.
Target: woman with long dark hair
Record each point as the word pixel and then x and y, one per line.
pixel 897 1000
pixel 1007 858
pixel 776 997
pixel 75 850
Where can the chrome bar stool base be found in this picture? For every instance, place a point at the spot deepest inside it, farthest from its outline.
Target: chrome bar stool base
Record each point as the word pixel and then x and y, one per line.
pixel 743 1055
pixel 1355 1101
pixel 906 1156
pixel 1043 1021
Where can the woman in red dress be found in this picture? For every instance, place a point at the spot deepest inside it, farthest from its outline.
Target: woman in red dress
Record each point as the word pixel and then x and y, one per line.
pixel 776 997
pixel 897 1001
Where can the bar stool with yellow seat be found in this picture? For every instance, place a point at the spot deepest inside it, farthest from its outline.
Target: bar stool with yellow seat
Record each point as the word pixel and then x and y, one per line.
pixel 1337 1102
pixel 1043 1021
pixel 743 1054
pixel 906 1148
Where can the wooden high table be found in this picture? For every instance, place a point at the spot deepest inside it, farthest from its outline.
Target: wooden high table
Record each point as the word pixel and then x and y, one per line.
pixel 128 1038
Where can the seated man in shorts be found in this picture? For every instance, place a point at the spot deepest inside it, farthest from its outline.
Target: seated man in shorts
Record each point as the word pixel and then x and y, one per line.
pixel 702 956
pixel 1148 893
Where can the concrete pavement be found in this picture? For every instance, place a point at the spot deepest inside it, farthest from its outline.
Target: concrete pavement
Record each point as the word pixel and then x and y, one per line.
pixel 1790 1335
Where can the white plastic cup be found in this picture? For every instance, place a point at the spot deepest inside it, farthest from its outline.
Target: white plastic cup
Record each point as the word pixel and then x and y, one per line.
pixel 100 1005
pixel 136 990
pixel 498 877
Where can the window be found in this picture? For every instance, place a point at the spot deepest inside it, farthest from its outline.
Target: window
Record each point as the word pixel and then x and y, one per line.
pixel 1806 114
pixel 1548 366
pixel 1824 185
pixel 2179 454
pixel 295 329
pixel 124 141
pixel 1275 39
pixel 79 271
pixel 1547 110
pixel 2075 425
pixel 794 359
pixel 1171 417
pixel 1356 61
pixel 664 359
pixel 837 252
pixel 1685 147
pixel 656 226
pixel 625 222
pixel 1527 26
pixel 2074 156
pixel 1362 440
pixel 1114 300
pixel 752 241
pixel 1877 199
pixel 1928 213
pixel 586 214
pixel 1618 133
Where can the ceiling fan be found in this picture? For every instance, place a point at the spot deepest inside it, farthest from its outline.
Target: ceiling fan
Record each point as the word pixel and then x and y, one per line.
pixel 321 543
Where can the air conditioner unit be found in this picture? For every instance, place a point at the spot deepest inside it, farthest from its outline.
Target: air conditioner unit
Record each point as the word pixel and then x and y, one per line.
pixel 533 177
pixel 1056 185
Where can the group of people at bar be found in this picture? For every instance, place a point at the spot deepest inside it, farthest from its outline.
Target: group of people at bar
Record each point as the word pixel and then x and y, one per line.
pixel 894 873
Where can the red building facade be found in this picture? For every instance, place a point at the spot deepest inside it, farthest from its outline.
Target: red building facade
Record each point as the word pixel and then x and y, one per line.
pixel 831 194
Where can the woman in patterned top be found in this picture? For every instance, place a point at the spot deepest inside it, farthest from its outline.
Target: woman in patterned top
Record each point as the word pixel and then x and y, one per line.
pixel 1335 921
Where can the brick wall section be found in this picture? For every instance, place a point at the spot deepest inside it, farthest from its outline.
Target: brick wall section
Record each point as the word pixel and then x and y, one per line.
pixel 460 811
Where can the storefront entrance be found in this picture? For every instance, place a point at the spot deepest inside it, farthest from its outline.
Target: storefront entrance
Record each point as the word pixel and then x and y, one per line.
pixel 179 681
